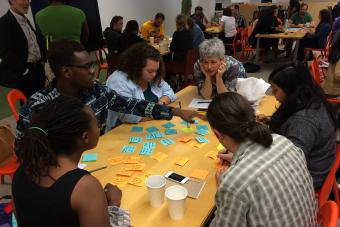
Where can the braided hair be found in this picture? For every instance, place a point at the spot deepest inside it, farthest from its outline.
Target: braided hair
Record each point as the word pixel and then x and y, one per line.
pixel 55 126
pixel 231 114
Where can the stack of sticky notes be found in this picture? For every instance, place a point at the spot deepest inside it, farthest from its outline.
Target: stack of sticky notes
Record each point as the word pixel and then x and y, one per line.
pixel 91 157
pixel 147 148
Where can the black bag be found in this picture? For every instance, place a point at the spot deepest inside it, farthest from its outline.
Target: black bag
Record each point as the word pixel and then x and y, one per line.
pixel 251 67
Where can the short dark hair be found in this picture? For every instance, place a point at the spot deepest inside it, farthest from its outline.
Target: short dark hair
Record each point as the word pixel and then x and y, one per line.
pixel 115 20
pixel 325 17
pixel 231 114
pixel 61 53
pixel 303 4
pixel 54 130
pixel 237 7
pixel 198 8
pixel 227 12
pixel 133 60
pixel 160 15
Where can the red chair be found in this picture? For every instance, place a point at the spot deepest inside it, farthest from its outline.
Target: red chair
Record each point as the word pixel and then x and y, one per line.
pixel 324 51
pixel 246 47
pixel 236 43
pixel 315 70
pixel 12 97
pixel 330 183
pixel 328 214
pixel 101 55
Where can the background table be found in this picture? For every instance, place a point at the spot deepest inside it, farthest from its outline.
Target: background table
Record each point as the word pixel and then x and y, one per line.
pixel 135 199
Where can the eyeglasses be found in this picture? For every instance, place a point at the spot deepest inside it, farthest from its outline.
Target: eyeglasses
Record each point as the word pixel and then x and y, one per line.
pixel 89 66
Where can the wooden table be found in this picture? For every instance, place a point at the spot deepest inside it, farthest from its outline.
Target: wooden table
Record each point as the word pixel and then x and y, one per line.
pixel 135 199
pixel 214 30
pixel 295 35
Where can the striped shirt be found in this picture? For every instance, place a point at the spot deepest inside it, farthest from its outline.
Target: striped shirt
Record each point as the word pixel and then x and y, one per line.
pixel 266 187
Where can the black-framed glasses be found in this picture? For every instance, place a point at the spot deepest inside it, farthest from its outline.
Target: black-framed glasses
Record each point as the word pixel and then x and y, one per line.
pixel 89 66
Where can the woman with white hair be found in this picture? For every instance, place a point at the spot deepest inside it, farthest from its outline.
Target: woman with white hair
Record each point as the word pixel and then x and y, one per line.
pixel 215 72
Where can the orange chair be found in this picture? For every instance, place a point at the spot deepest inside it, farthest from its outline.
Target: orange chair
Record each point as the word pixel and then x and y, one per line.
pixel 102 65
pixel 315 70
pixel 8 159
pixel 235 42
pixel 324 51
pixel 246 48
pixel 330 183
pixel 12 97
pixel 328 214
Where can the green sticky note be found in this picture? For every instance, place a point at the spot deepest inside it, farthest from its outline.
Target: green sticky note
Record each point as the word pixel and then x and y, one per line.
pixel 90 157
pixel 188 130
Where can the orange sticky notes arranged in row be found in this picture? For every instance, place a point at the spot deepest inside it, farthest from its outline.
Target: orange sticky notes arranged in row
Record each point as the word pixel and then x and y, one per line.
pixel 119 181
pixel 199 174
pixel 137 181
pixel 211 154
pixel 132 160
pixel 181 161
pixel 124 173
pixel 185 139
pixel 134 167
pixel 197 144
pixel 116 160
pixel 159 156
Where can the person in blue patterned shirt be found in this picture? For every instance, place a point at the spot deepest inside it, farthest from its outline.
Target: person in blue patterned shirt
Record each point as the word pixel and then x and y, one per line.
pixel 215 72
pixel 74 76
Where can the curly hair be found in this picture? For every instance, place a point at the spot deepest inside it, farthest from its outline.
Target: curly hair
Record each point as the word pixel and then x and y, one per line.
pixel 133 60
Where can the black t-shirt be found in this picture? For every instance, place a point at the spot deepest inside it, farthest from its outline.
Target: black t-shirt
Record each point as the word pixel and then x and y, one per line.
pixel 38 206
pixel 294 4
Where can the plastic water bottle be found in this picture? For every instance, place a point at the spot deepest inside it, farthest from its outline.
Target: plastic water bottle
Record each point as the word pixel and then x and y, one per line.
pixel 286 26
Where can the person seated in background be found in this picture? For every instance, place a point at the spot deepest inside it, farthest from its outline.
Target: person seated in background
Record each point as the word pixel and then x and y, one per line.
pixel 301 18
pixel 48 187
pixel 129 36
pixel 318 38
pixel 304 117
pixel 140 75
pixel 336 25
pixel 75 76
pixel 196 32
pixel 154 28
pixel 200 18
pixel 267 175
pixel 113 33
pixel 214 72
pixel 228 25
pixel 293 7
pixel 240 20
pixel 181 39
pixel 54 22
pixel 331 84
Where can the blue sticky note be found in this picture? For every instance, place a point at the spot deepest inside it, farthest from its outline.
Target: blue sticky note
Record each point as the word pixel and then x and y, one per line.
pixel 166 142
pixel 149 145
pixel 187 123
pixel 128 149
pixel 151 129
pixel 168 125
pixel 135 139
pixel 202 132
pixel 201 139
pixel 157 134
pixel 90 157
pixel 149 137
pixel 146 151
pixel 137 129
pixel 170 131
pixel 202 127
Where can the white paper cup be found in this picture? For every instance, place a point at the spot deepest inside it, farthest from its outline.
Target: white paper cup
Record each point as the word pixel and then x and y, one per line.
pixel 156 187
pixel 176 196
pixel 152 40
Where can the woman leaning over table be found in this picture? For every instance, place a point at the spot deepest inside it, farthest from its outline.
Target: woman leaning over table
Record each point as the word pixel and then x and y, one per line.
pixel 140 75
pixel 267 181
pixel 48 188
pixel 215 72
pixel 304 117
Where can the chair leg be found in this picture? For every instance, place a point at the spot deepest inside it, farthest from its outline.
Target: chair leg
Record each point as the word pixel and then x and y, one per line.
pixel 336 195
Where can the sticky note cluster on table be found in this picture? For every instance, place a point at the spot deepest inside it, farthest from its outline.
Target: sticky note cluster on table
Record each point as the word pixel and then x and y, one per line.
pixel 91 157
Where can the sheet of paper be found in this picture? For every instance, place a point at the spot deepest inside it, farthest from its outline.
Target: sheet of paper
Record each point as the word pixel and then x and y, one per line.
pixel 199 174
pixel 92 157
pixel 200 103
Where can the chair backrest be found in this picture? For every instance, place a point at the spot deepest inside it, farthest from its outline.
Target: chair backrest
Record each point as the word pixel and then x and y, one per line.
pixel 190 60
pixel 101 55
pixel 328 44
pixel 6 144
pixel 12 97
pixel 112 62
pixel 330 182
pixel 328 214
pixel 315 70
pixel 244 38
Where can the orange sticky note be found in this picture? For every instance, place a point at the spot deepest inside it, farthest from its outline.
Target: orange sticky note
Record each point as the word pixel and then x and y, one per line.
pixel 199 174
pixel 159 156
pixel 116 160
pixel 119 181
pixel 185 139
pixel 137 181
pixel 124 173
pixel 181 161
pixel 131 160
pixel 211 154
pixel 197 144
pixel 135 167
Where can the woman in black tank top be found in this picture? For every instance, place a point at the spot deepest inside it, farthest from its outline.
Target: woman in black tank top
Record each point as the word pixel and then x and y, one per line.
pixel 48 188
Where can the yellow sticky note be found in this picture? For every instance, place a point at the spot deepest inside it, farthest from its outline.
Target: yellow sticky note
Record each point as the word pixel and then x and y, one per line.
pixel 119 181
pixel 116 160
pixel 131 160
pixel 181 161
pixel 185 139
pixel 137 181
pixel 135 167
pixel 197 144
pixel 187 130
pixel 221 148
pixel 211 154
pixel 199 174
pixel 159 156
pixel 124 173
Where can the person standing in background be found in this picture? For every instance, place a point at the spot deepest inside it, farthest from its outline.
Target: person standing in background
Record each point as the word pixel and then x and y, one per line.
pixel 186 7
pixel 55 22
pixel 20 55
pixel 113 33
